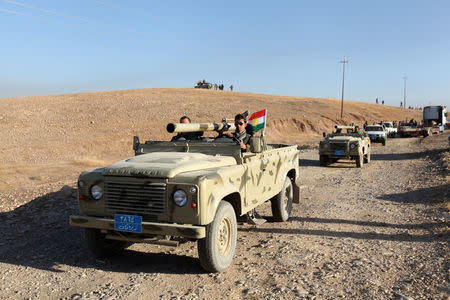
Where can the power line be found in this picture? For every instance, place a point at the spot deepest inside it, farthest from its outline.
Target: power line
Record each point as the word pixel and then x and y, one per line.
pixel 85 20
pixel 178 43
pixel 146 14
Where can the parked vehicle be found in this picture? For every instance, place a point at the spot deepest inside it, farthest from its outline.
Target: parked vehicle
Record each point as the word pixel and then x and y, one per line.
pixel 377 134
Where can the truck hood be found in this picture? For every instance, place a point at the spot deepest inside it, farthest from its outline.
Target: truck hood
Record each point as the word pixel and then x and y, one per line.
pixel 166 164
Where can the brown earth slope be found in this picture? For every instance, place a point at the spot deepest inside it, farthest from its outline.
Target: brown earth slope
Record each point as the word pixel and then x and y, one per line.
pixel 52 138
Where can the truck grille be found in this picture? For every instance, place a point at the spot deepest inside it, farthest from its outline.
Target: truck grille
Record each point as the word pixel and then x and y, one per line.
pixel 137 198
pixel 338 146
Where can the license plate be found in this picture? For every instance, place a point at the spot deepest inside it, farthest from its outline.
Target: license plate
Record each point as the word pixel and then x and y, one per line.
pixel 339 152
pixel 128 223
pixel 373 137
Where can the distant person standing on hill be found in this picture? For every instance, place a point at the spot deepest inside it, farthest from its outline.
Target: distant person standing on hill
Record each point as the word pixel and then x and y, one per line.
pixel 382 102
pixel 231 87
pixel 376 101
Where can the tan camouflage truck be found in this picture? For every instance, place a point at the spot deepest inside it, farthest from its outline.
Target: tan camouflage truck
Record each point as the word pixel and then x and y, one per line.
pixel 345 143
pixel 172 192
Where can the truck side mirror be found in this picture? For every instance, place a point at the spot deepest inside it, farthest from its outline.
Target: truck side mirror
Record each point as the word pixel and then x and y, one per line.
pixel 135 143
pixel 324 134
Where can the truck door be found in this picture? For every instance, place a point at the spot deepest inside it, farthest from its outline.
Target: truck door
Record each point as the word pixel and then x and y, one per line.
pixel 254 165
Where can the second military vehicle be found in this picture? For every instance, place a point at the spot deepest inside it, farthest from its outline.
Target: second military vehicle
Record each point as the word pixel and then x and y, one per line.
pixel 344 143
pixel 190 190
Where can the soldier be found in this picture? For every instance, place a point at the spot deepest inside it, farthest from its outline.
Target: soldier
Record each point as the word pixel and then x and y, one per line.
pixel 357 130
pixel 231 87
pixel 184 136
pixel 376 101
pixel 221 87
pixel 240 135
pixel 382 102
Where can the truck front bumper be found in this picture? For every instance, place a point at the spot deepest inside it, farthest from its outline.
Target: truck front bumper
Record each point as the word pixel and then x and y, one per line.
pixel 376 139
pixel 183 230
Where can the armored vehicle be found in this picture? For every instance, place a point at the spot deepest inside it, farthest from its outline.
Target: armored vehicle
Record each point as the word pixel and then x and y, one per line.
pixel 202 84
pixel 191 190
pixel 377 134
pixel 344 143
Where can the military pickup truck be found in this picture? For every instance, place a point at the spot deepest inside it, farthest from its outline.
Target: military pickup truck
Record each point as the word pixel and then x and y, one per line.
pixel 344 143
pixel 192 190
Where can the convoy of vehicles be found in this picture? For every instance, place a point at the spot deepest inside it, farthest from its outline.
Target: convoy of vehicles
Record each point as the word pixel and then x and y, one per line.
pixel 344 143
pixel 196 190
pixel 192 190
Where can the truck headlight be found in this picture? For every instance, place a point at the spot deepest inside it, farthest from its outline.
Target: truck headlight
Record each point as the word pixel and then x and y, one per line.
pixel 96 192
pixel 180 198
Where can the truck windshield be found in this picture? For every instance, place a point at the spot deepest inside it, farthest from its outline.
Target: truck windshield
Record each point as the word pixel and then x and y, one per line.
pixel 374 128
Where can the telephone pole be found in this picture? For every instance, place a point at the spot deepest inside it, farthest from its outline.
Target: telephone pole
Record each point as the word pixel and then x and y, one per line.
pixel 343 62
pixel 404 90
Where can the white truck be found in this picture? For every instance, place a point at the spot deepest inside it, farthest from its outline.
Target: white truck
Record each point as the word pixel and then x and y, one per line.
pixel 434 117
pixel 391 130
pixel 377 134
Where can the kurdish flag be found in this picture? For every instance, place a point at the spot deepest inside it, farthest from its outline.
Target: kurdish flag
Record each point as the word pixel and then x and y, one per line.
pixel 258 119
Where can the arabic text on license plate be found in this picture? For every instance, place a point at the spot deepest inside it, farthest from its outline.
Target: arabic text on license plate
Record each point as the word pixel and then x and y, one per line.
pixel 339 152
pixel 128 223
pixel 373 137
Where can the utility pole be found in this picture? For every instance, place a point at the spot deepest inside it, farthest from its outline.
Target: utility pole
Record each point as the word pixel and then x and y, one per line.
pixel 404 90
pixel 343 62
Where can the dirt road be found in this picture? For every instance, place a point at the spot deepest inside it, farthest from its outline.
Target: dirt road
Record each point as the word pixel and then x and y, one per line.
pixel 379 232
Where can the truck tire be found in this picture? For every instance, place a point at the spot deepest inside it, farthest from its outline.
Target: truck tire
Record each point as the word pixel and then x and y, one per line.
pixel 360 161
pixel 323 160
pixel 216 250
pixel 100 246
pixel 282 203
pixel 367 156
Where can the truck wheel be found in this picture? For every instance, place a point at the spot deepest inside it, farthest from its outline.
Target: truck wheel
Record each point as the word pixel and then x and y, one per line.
pixel 216 250
pixel 360 161
pixel 323 159
pixel 100 246
pixel 367 157
pixel 282 203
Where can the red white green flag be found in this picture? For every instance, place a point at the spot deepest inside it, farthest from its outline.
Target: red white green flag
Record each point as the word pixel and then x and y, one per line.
pixel 258 119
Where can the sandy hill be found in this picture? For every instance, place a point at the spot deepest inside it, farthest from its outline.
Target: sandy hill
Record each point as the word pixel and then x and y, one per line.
pixel 51 138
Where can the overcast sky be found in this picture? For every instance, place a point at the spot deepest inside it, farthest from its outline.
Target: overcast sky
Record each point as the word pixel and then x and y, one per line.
pixel 289 48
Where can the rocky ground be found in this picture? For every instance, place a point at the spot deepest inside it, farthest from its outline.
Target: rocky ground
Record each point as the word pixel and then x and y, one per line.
pixel 380 232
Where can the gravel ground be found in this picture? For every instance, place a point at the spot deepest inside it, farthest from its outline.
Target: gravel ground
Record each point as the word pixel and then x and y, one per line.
pixel 380 232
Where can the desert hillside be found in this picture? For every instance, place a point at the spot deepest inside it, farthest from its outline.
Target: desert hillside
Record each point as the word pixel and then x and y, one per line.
pixel 52 138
